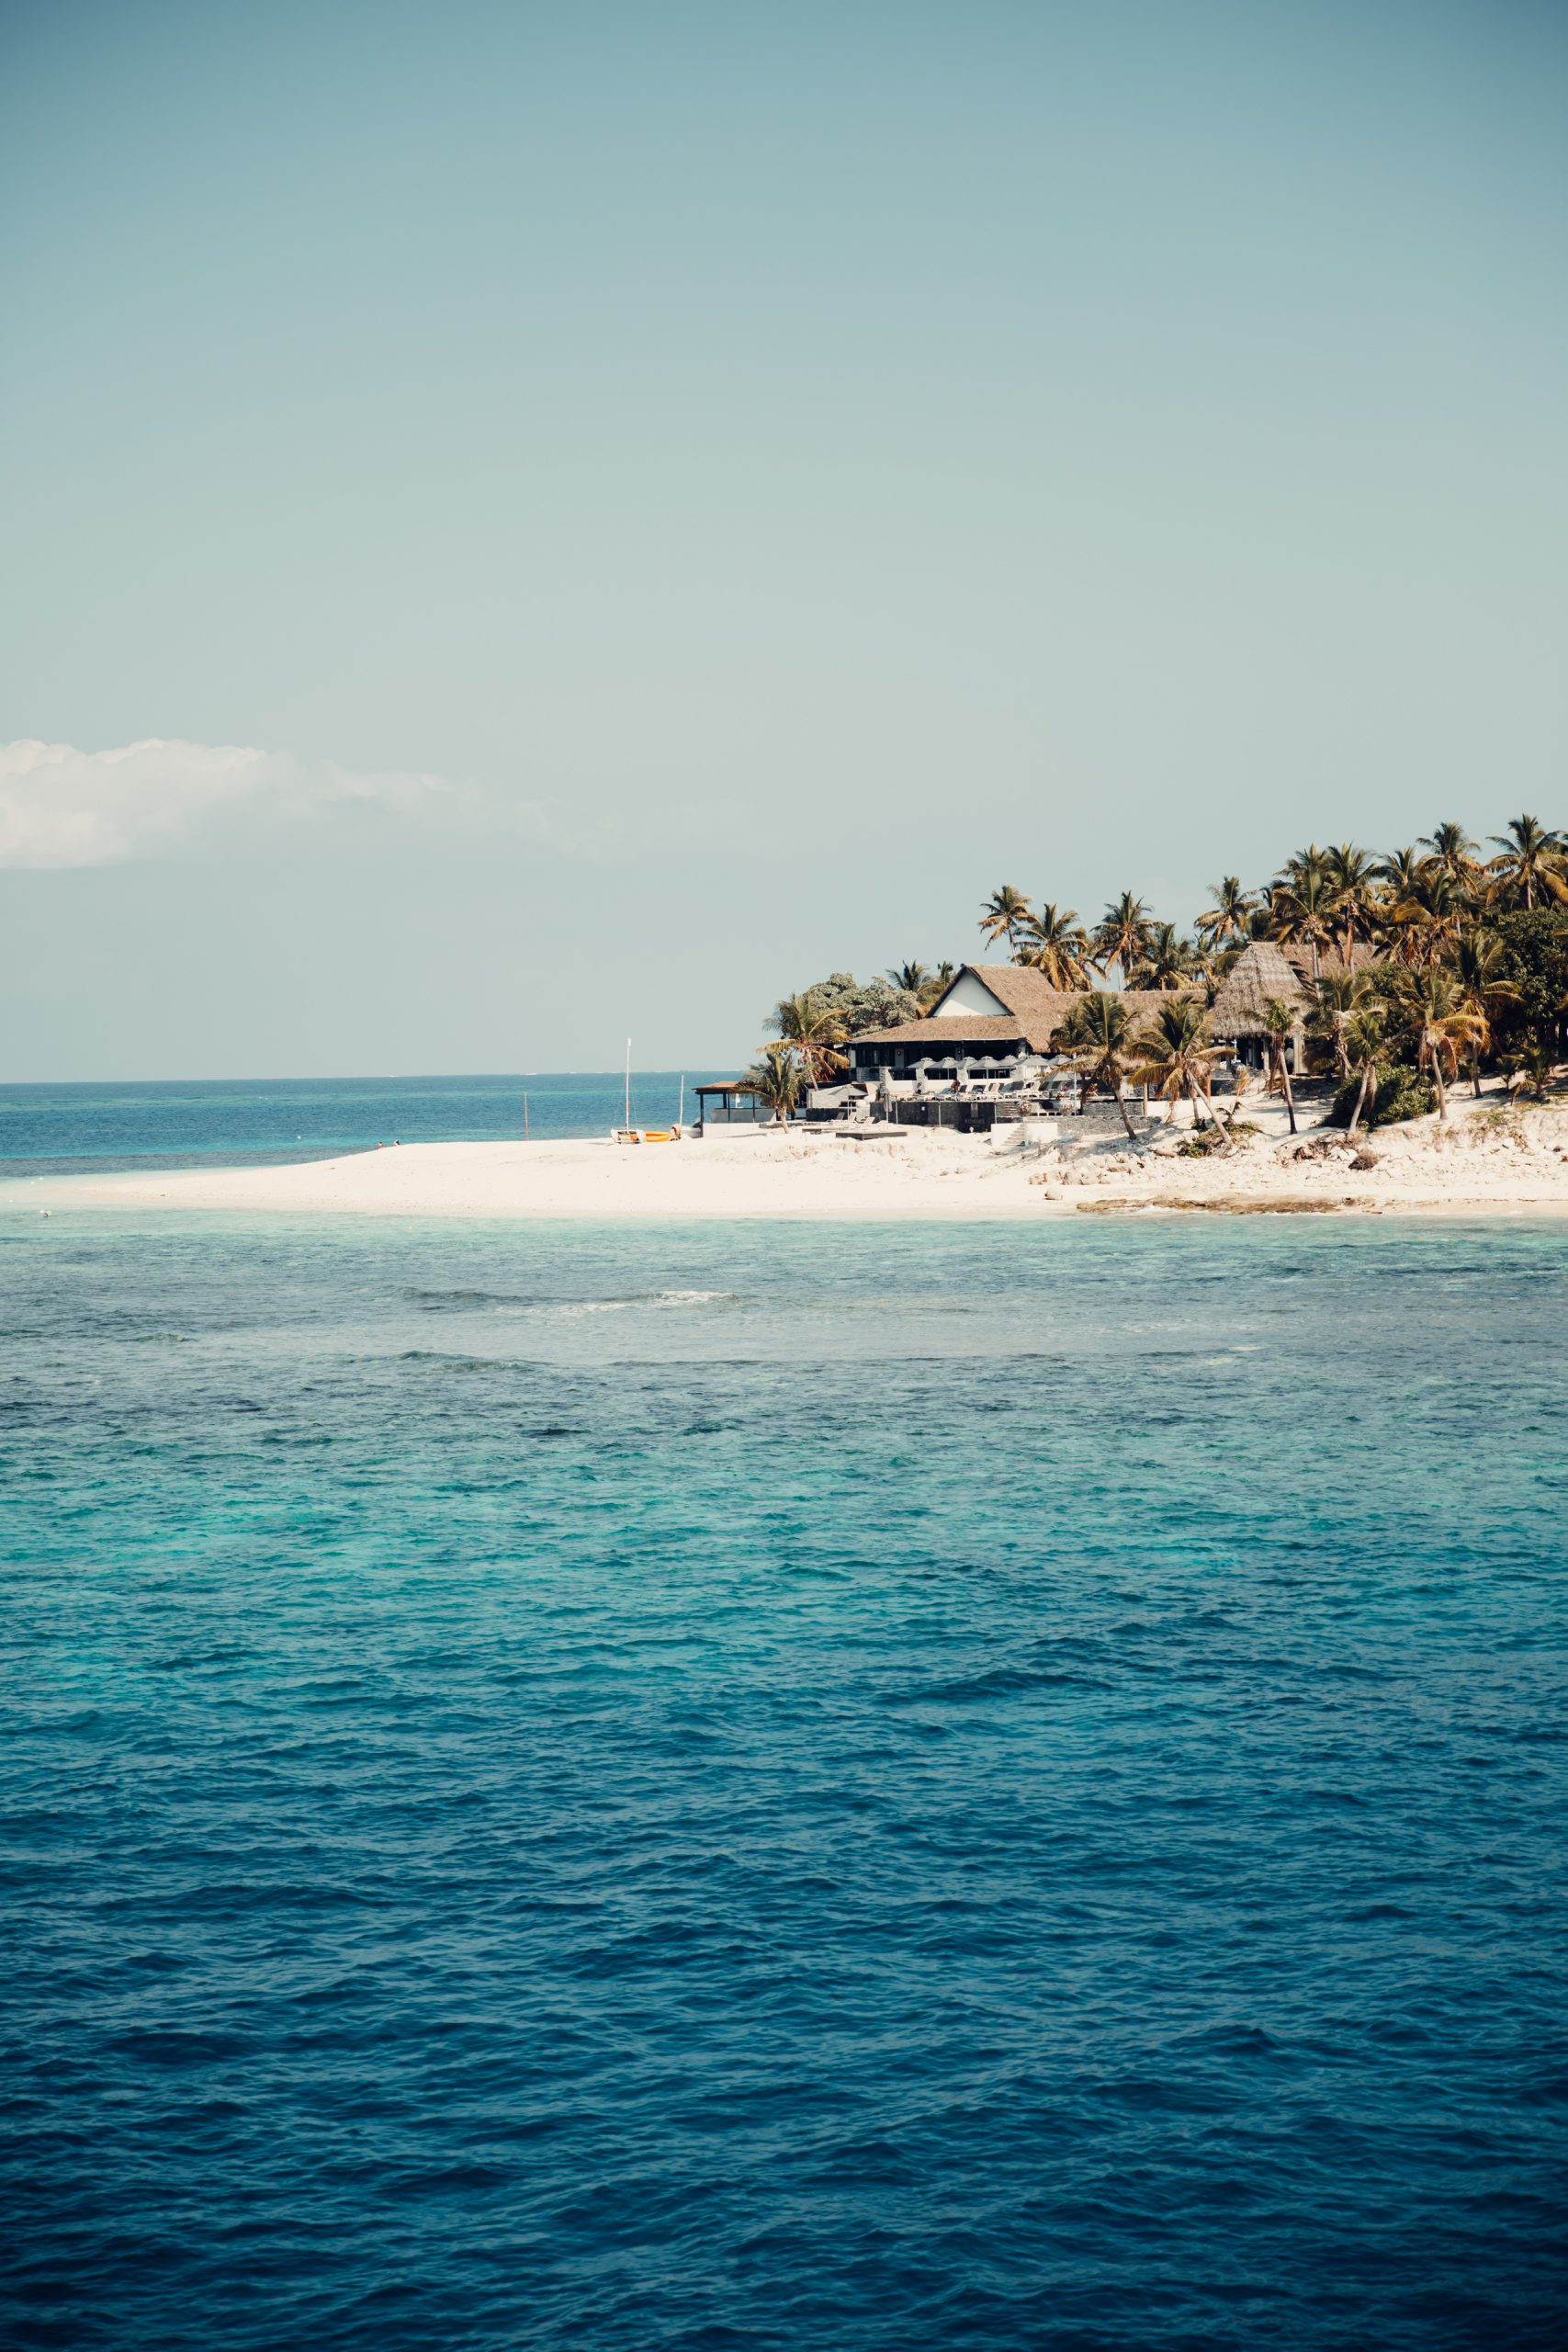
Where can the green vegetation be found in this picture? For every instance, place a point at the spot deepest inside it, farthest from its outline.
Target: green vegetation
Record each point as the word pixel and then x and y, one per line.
pixel 1425 963
pixel 1410 905
pixel 1533 962
pixel 1281 1028
pixel 1205 1143
pixel 1400 1093
pixel 1177 1056
pixel 1096 1035
pixel 775 1077
pixel 860 1005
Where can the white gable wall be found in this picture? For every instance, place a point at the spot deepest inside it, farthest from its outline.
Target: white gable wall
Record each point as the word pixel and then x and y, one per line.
pixel 968 993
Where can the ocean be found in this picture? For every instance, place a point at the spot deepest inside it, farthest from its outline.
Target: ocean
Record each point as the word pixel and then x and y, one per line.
pixel 742 1787
pixel 191 1122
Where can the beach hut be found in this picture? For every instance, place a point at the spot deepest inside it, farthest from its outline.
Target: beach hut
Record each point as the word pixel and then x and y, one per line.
pixel 1236 1017
pixel 728 1102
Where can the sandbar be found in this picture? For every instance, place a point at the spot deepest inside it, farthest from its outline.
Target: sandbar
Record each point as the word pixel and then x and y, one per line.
pixel 1480 1162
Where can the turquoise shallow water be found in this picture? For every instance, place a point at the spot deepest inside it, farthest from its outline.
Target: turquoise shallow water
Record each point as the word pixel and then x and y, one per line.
pixel 194 1123
pixel 742 1787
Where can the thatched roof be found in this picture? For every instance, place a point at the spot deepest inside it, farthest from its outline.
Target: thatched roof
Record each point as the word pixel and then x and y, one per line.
pixel 1023 987
pixel 1363 958
pixel 1034 1027
pixel 1261 971
pixel 957 1029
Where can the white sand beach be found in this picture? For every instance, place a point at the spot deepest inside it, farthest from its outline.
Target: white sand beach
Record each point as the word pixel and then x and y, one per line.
pixel 1487 1159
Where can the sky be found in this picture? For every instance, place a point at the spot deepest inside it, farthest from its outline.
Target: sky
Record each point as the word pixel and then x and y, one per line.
pixel 527 524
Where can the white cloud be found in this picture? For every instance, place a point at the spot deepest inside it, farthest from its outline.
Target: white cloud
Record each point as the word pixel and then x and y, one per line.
pixel 61 806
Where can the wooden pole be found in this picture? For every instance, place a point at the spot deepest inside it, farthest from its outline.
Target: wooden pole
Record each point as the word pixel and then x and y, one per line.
pixel 628 1083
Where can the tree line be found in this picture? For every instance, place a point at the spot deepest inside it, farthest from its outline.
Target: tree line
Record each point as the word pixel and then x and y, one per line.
pixel 1429 960
pixel 1413 904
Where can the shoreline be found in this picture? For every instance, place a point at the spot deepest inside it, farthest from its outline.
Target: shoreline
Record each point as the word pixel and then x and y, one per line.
pixel 1482 1164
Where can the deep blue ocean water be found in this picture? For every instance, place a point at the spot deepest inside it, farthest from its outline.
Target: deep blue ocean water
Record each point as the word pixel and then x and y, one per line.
pixel 756 1787
pixel 183 1123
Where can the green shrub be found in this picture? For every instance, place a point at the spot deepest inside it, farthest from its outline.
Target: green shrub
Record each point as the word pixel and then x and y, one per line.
pixel 1535 959
pixel 1207 1141
pixel 1402 1093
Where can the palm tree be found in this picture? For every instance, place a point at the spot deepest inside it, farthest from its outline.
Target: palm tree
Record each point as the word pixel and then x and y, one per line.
pixel 774 1078
pixel 1206 967
pixel 1122 934
pixel 912 977
pixel 1431 1001
pixel 1165 961
pixel 1531 1071
pixel 1057 944
pixel 1350 873
pixel 1483 986
pixel 1303 909
pixel 1228 919
pixel 1399 873
pixel 1532 860
pixel 812 1032
pixel 1429 917
pixel 1095 1035
pixel 1279 1028
pixel 1002 913
pixel 1337 996
pixel 1260 922
pixel 1365 1039
pixel 1177 1055
pixel 1452 850
pixel 1307 866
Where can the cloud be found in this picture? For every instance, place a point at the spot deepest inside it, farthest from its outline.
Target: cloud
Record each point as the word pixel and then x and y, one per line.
pixel 163 798
pixel 61 806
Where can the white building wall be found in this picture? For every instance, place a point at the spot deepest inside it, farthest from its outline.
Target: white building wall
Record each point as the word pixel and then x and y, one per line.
pixel 968 993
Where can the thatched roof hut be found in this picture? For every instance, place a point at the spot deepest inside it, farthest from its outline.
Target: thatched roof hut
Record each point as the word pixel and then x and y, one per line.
pixel 1262 971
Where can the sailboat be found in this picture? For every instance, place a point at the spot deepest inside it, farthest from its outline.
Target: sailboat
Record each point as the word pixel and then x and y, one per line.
pixel 628 1134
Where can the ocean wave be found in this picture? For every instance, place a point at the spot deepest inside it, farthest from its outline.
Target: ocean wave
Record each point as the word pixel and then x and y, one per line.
pixel 469 1302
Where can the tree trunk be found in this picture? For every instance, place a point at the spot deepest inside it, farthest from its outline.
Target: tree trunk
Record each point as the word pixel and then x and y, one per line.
pixel 1361 1099
pixel 1290 1098
pixel 1122 1106
pixel 1438 1083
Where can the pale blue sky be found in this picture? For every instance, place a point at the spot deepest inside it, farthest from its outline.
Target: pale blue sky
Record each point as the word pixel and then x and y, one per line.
pixel 773 471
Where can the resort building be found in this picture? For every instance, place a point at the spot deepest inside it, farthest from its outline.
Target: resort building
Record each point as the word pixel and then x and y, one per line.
pixel 993 1037
pixel 994 1021
pixel 990 1018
